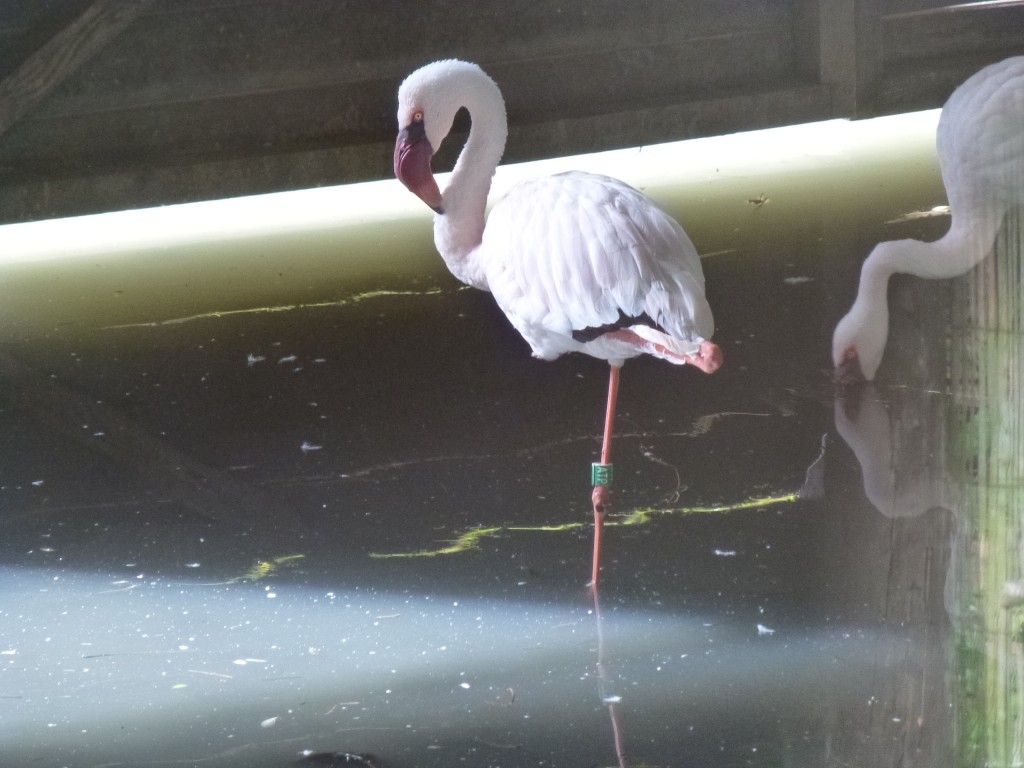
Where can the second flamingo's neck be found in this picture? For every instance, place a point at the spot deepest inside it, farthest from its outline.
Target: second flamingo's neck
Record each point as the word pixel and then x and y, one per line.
pixel 458 232
pixel 967 242
pixel 865 328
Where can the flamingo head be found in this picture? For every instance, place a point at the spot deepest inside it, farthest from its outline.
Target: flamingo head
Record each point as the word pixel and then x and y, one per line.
pixel 858 343
pixel 427 102
pixel 847 371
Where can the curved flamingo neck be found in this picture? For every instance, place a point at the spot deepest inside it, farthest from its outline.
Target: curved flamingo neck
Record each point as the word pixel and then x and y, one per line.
pixel 968 240
pixel 459 231
pixel 865 328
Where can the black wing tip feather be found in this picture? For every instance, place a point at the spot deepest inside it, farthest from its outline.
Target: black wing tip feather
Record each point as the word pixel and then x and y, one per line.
pixel 590 333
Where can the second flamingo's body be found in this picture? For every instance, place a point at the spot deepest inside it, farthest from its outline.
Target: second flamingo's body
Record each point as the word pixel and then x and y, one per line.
pixel 980 147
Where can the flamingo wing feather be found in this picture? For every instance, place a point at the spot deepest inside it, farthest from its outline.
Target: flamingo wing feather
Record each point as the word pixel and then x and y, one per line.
pixel 577 251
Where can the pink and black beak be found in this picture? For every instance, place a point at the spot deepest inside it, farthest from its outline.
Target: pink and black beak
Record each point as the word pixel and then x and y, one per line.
pixel 412 164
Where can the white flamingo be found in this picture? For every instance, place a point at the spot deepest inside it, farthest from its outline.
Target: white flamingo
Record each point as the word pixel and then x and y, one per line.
pixel 578 262
pixel 980 143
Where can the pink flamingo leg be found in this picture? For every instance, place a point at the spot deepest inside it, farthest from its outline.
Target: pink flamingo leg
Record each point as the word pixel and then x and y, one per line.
pixel 602 492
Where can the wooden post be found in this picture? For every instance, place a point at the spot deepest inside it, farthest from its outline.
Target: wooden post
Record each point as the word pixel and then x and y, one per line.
pixel 838 45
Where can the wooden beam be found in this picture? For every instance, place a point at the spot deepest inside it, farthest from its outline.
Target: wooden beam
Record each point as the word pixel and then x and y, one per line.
pixel 65 52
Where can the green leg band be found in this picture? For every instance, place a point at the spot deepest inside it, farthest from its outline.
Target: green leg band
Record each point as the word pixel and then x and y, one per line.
pixel 601 474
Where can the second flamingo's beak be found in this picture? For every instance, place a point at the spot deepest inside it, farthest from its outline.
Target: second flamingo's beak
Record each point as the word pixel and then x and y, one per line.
pixel 848 372
pixel 412 165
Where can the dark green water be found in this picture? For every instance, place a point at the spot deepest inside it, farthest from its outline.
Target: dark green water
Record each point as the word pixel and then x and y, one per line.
pixel 158 484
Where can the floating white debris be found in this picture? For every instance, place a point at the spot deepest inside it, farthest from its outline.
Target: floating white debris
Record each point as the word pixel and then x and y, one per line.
pixel 307 447
pixel 287 359
pixel 253 359
pixel 763 630
pixel 725 552
pixel 798 280
pixel 37 483
pixel 464 685
pixel 611 699
pixel 269 722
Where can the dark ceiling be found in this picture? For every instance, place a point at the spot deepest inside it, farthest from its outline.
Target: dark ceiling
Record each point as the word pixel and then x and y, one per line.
pixel 109 104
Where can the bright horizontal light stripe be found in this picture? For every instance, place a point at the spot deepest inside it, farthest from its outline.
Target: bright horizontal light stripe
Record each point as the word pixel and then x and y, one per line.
pixel 692 162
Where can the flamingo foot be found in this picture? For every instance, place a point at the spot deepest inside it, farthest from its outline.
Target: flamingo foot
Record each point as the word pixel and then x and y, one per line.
pixel 709 357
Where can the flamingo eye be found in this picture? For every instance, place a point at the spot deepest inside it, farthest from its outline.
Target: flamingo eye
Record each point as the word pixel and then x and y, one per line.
pixel 417 116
